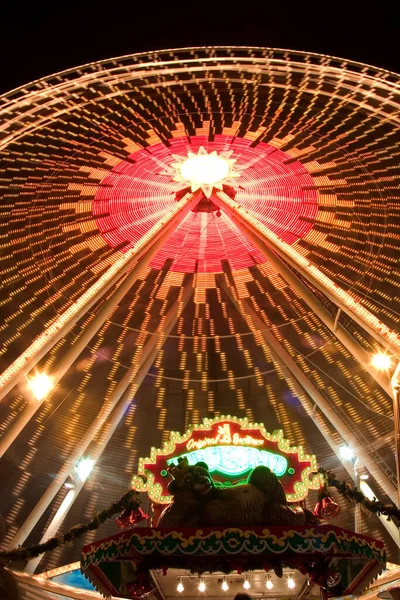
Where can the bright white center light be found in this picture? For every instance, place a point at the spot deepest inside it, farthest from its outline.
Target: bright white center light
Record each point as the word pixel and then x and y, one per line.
pixel 180 587
pixel 347 453
pixel 224 585
pixel 84 468
pixel 202 586
pixel 40 385
pixel 381 361
pixel 269 584
pixel 204 169
pixel 290 583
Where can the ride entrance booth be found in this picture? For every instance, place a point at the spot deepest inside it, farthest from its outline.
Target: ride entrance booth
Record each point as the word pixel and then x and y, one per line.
pixel 230 452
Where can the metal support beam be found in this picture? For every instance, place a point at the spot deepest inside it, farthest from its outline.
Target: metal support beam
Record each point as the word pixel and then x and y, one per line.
pixel 63 323
pixel 109 416
pixel 78 347
pixel 296 377
pixel 293 371
pixel 363 357
pixel 251 226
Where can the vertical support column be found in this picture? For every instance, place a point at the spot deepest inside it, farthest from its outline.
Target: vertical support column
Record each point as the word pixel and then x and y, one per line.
pixel 395 383
pixel 357 508
pixel 109 417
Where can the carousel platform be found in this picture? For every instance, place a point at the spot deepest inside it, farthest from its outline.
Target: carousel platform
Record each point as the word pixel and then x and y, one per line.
pixel 341 562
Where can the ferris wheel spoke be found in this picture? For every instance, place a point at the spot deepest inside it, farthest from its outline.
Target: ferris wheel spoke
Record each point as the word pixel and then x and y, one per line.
pixel 50 336
pixel 380 332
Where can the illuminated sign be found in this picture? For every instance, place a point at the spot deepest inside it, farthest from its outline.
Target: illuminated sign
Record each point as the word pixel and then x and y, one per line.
pixel 231 447
pixel 224 436
pixel 231 460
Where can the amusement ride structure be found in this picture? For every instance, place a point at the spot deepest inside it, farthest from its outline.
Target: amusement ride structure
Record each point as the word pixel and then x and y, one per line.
pixel 193 233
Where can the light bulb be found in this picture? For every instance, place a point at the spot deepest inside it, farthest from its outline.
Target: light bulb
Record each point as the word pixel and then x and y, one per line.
pixel 269 584
pixel 180 587
pixel 84 468
pixel 347 453
pixel 224 585
pixel 202 586
pixel 381 361
pixel 40 385
pixel 290 583
pixel 246 583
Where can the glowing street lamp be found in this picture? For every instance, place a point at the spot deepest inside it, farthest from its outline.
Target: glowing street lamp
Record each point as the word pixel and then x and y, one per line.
pixel 347 453
pixel 381 361
pixel 40 385
pixel 269 585
pixel 84 468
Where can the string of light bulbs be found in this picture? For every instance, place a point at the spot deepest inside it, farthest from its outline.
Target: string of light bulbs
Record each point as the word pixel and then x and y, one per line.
pixel 202 585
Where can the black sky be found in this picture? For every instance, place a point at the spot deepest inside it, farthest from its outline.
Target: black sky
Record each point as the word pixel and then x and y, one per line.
pixel 40 38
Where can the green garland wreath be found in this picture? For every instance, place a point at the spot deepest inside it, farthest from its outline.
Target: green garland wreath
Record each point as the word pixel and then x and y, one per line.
pixel 129 501
pixel 354 494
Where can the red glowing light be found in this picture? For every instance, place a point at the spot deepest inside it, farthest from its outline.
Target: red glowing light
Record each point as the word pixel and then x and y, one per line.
pixel 135 195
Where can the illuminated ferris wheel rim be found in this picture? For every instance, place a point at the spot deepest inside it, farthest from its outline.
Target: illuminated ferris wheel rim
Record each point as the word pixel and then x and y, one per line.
pixel 358 73
pixel 347 64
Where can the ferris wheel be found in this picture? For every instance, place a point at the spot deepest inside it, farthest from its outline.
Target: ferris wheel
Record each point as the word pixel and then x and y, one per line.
pixel 187 233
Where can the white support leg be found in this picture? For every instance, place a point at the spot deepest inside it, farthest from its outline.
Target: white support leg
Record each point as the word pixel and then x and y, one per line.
pixel 292 371
pixel 109 416
pixel 363 357
pixel 89 332
pixel 251 226
pixel 46 340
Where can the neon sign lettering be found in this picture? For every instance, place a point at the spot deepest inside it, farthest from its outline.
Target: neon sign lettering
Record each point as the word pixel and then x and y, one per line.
pixel 234 460
pixel 231 447
pixel 224 436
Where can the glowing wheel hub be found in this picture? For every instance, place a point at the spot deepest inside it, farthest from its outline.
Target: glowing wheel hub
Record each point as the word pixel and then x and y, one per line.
pixel 206 169
pixel 134 195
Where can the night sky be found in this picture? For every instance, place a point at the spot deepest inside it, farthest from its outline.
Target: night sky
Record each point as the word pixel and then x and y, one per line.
pixel 41 38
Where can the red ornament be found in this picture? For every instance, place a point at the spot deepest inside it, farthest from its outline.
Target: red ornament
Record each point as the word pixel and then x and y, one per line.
pixel 326 508
pixel 130 517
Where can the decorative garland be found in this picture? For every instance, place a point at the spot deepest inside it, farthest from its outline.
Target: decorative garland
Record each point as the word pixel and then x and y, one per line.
pixel 129 501
pixel 374 506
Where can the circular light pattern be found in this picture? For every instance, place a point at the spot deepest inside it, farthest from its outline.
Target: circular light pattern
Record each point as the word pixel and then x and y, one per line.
pixel 134 195
pixel 203 169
